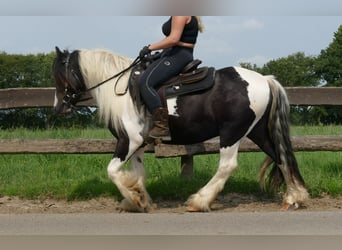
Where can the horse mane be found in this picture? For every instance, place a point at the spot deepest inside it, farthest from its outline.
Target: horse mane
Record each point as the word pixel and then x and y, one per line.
pixel 98 65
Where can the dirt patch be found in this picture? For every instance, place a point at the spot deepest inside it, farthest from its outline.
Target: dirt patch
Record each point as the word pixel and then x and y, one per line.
pixel 227 203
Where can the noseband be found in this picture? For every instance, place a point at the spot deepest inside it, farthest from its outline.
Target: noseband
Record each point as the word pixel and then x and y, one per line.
pixel 71 98
pixel 73 92
pixel 72 95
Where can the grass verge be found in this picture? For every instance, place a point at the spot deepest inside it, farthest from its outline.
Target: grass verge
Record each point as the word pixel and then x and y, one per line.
pixel 85 176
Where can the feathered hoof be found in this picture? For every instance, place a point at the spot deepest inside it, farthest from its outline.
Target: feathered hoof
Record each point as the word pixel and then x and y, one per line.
pixel 290 207
pixel 193 206
pixel 193 209
pixel 136 207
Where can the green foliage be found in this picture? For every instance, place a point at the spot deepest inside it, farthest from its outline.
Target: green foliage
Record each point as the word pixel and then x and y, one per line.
pixel 294 70
pixel 43 118
pixel 329 63
pixel 329 69
pixel 25 70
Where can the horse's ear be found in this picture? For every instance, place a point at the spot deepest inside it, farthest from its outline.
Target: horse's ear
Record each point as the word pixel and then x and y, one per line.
pixel 58 52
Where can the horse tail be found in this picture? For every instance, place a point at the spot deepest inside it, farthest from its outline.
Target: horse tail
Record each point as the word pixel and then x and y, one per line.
pixel 285 167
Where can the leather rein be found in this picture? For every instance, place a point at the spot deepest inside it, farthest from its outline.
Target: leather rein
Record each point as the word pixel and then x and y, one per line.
pixel 73 96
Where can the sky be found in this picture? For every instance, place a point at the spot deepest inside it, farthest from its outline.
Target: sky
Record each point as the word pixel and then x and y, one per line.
pixel 244 32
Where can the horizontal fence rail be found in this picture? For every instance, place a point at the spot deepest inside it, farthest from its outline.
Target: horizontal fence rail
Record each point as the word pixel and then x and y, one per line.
pixel 106 146
pixel 44 97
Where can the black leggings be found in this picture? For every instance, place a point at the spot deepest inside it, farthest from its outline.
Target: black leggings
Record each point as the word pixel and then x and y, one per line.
pixel 170 64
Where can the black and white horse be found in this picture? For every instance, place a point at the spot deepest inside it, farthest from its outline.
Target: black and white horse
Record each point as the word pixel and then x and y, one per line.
pixel 242 103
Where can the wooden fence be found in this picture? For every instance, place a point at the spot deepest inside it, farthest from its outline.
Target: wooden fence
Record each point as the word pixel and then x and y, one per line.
pixel 44 97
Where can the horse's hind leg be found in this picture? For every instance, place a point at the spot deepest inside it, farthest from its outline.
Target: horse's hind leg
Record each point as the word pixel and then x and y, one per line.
pixel 285 167
pixel 202 200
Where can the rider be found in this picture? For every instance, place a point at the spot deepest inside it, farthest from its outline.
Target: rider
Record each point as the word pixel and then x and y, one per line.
pixel 178 45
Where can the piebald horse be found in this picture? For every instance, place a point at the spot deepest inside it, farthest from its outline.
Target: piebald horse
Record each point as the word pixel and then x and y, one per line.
pixel 242 103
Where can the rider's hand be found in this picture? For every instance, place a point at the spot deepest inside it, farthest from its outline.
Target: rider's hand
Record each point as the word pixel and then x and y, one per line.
pixel 144 51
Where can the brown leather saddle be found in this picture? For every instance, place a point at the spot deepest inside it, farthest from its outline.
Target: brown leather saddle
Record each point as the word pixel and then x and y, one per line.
pixel 191 79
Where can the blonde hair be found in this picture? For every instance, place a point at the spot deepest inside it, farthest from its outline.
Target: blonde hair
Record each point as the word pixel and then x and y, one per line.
pixel 200 24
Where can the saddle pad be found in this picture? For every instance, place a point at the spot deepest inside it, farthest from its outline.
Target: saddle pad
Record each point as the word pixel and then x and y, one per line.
pixel 181 89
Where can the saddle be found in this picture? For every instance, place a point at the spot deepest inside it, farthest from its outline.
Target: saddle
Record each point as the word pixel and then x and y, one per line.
pixel 185 83
pixel 191 79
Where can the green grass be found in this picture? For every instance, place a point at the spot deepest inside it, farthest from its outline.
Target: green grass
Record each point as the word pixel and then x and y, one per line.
pixel 56 134
pixel 85 176
pixel 316 130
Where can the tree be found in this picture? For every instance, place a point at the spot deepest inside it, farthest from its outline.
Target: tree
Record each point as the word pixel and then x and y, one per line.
pixel 295 70
pixel 25 70
pixel 329 69
pixel 329 62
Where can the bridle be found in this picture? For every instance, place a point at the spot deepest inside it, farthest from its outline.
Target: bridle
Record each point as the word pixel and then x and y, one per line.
pixel 73 95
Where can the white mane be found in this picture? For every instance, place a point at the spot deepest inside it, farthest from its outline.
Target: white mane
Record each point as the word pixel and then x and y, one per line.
pixel 98 65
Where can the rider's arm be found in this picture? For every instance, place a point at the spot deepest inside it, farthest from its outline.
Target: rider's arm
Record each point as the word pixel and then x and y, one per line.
pixel 177 27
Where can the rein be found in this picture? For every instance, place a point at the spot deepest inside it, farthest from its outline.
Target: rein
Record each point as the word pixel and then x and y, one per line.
pixel 135 62
pixel 72 96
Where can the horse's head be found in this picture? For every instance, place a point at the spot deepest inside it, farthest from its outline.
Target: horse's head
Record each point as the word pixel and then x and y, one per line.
pixel 68 80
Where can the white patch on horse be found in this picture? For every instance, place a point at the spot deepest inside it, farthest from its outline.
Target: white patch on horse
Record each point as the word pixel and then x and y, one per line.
pixel 258 91
pixel 133 125
pixel 172 106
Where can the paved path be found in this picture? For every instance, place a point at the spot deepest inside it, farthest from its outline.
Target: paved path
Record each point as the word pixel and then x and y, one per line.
pixel 246 223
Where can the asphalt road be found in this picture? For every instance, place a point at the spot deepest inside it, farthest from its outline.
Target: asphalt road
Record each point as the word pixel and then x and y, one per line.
pixel 245 223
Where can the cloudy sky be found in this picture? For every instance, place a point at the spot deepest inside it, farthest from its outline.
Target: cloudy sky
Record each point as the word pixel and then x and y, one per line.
pixel 242 33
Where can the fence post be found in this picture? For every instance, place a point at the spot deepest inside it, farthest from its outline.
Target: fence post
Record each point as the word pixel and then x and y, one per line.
pixel 187 166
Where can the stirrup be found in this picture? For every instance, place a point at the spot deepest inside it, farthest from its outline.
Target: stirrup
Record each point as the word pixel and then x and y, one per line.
pixel 165 137
pixel 162 138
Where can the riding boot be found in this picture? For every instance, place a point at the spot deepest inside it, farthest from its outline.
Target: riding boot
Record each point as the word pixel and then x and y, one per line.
pixel 160 118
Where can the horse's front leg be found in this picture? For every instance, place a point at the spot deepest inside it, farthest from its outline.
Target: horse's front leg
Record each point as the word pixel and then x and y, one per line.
pixel 131 184
pixel 139 199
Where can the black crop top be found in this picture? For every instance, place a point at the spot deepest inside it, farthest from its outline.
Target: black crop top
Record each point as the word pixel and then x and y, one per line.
pixel 190 31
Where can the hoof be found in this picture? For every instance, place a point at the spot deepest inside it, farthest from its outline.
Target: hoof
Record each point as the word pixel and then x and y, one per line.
pixel 195 209
pixel 290 207
pixel 196 203
pixel 192 209
pixel 130 207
